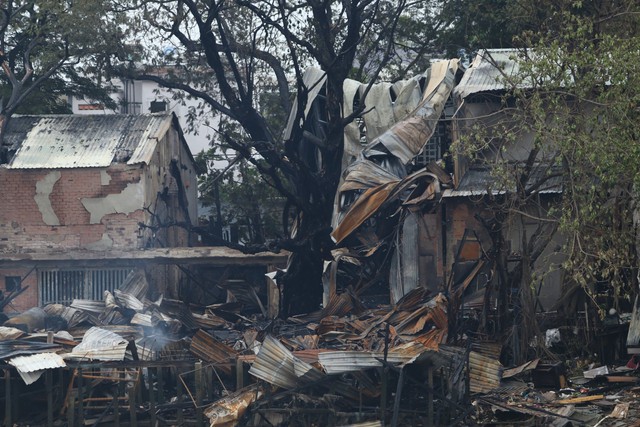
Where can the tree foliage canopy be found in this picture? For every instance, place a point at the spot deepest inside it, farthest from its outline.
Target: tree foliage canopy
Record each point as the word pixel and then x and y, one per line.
pixel 576 95
pixel 45 56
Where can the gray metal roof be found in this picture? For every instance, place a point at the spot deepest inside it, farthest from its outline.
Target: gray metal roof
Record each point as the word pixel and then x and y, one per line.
pixel 73 141
pixel 38 362
pixel 480 181
pixel 488 72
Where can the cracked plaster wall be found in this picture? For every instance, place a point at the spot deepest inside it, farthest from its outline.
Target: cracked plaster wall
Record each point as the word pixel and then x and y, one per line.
pixel 44 188
pixel 129 200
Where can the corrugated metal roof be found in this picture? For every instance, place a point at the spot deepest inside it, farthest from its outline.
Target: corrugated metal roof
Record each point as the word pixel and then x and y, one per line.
pixel 12 348
pixel 338 362
pixel 480 181
pixel 100 344
pixel 208 348
pixel 72 141
pixel 276 365
pixel 488 72
pixel 38 362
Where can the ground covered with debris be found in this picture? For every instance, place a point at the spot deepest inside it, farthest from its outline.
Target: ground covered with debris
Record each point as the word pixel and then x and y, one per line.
pixel 134 361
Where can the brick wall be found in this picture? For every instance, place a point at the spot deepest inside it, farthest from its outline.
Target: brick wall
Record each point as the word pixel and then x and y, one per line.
pixel 28 298
pixel 24 226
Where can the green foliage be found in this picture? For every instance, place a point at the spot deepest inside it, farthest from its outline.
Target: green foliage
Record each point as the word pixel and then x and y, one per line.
pixel 50 49
pixel 577 93
pixel 245 201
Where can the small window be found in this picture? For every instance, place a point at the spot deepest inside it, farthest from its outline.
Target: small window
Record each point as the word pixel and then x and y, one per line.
pixel 90 107
pixel 12 283
pixel 158 106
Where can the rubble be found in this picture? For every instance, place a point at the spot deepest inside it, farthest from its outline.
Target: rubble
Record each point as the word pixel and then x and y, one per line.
pixel 131 359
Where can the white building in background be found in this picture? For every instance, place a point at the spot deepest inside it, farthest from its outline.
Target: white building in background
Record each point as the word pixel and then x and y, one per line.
pixel 143 97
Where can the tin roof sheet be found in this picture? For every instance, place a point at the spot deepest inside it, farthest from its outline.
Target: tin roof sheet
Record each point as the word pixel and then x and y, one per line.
pixel 488 72
pixel 38 362
pixel 480 181
pixel 73 141
pixel 100 344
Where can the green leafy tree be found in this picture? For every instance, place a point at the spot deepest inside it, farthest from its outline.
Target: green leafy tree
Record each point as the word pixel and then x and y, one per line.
pixel 49 49
pixel 576 94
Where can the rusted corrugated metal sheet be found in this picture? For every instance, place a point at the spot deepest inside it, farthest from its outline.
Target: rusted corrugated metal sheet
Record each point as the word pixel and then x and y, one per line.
pixel 74 141
pixel 484 372
pixel 208 348
pixel 489 349
pixel 227 411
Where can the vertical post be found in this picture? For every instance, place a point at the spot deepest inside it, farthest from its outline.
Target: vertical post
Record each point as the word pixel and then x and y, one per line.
pixel 152 395
pixel 179 392
pixel 199 394
pixel 80 398
pixel 116 406
pixel 133 419
pixel 239 373
pixel 273 296
pixel 71 412
pixel 430 395
pixel 48 379
pixel 208 379
pixel 7 393
pixel 384 374
pixel 396 403
pixel 160 384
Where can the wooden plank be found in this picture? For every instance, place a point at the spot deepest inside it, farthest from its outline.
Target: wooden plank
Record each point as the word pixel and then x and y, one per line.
pixel 577 400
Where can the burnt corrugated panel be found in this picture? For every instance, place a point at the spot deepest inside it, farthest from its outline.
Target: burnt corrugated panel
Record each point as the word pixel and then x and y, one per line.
pixel 274 364
pixel 365 424
pixel 209 349
pixel 71 315
pixel 12 348
pixel 135 284
pixel 100 344
pixel 72 141
pixel 337 362
pixel 490 349
pixel 484 373
pixel 488 72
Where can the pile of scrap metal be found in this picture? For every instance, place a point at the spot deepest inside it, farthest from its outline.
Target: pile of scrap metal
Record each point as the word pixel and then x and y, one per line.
pixel 337 366
pixel 549 393
pixel 345 365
